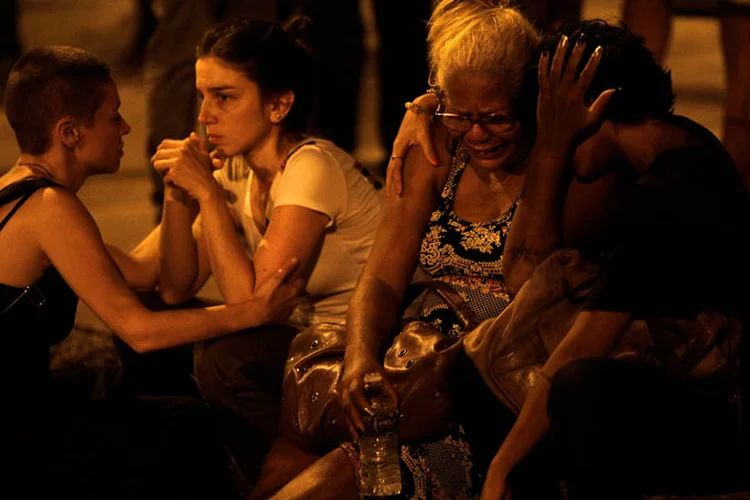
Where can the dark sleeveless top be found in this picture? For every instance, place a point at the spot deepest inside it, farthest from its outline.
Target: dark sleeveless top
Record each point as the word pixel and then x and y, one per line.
pixel 466 255
pixel 32 318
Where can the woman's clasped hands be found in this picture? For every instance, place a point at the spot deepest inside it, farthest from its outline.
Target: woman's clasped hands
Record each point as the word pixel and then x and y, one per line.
pixel 188 165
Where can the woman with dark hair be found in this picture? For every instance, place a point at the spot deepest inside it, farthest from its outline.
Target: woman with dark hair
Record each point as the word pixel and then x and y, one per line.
pixel 451 222
pixel 64 109
pixel 284 190
pixel 675 247
pixel 679 248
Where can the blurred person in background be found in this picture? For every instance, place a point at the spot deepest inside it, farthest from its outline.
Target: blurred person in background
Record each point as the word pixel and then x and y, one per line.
pixel 10 47
pixel 652 19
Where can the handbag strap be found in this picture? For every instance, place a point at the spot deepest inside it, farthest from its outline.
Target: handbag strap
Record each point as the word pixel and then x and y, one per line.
pixel 451 297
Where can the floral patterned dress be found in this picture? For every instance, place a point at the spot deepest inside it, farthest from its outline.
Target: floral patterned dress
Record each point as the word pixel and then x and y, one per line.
pixel 468 256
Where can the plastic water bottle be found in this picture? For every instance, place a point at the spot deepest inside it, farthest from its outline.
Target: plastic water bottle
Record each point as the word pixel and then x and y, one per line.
pixel 380 473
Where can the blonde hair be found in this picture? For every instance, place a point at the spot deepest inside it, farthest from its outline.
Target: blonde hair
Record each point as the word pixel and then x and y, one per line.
pixel 479 36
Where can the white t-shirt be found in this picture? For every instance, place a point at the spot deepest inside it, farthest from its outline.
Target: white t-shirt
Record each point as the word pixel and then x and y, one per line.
pixel 324 178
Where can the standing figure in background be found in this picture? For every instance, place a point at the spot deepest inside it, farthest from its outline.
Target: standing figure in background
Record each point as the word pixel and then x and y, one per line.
pixel 547 15
pixel 63 107
pixel 278 191
pixel 652 19
pixel 402 62
pixel 10 47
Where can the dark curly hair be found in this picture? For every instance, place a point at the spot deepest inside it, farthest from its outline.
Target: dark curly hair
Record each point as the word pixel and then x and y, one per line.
pixel 644 87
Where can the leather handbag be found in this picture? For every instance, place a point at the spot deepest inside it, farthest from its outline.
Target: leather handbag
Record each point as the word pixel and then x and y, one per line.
pixel 510 350
pixel 418 363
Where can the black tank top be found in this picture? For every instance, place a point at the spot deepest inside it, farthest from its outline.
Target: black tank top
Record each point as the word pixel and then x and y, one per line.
pixel 32 318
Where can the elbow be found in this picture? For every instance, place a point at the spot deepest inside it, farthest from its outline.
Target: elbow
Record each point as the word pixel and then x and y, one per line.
pixel 173 295
pixel 140 346
pixel 136 337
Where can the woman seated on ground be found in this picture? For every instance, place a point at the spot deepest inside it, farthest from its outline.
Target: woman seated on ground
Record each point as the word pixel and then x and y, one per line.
pixel 625 428
pixel 64 109
pixel 288 192
pixel 451 220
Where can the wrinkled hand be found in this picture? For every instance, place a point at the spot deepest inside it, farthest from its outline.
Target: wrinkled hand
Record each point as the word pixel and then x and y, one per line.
pixel 414 130
pixel 496 484
pixel 275 299
pixel 353 397
pixel 562 113
pixel 187 165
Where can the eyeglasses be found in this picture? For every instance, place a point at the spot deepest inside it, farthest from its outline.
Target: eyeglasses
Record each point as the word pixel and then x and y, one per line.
pixel 495 123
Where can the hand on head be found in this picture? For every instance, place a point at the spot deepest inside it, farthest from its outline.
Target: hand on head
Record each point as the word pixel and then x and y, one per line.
pixel 562 112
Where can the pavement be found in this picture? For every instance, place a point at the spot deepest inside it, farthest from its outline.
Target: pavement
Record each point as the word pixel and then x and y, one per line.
pixel 120 202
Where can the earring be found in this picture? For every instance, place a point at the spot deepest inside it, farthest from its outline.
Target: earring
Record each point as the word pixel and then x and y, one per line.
pixel 278 116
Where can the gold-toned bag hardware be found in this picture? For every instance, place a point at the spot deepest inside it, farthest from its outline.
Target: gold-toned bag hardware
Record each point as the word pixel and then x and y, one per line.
pixel 418 363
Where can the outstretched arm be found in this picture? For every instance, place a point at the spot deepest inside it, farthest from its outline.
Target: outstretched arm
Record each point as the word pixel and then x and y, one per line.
pixel 79 254
pixel 140 267
pixel 377 299
pixel 593 334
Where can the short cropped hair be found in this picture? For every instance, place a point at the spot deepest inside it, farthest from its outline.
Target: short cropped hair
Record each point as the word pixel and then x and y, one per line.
pixel 480 36
pixel 48 83
pixel 644 87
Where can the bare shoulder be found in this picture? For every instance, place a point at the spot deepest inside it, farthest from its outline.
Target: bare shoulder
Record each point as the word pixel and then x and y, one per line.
pixel 56 209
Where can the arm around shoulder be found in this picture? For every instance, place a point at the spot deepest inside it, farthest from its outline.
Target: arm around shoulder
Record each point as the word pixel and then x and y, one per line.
pixel 394 256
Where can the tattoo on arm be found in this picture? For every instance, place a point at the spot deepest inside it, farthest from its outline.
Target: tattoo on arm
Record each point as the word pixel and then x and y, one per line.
pixel 527 254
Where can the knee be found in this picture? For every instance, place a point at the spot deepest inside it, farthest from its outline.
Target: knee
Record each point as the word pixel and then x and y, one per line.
pixel 246 362
pixel 212 367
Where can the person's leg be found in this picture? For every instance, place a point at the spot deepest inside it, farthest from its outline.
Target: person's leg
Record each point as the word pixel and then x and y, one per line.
pixel 241 375
pixel 10 47
pixel 549 14
pixel 168 372
pixel 487 422
pixel 338 46
pixel 169 73
pixel 626 428
pixel 402 59
pixel 735 41
pixel 134 449
pixel 331 477
pixel 283 462
pixel 652 19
